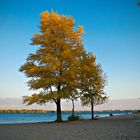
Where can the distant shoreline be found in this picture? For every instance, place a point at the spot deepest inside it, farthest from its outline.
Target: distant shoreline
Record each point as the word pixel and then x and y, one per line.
pixel 47 111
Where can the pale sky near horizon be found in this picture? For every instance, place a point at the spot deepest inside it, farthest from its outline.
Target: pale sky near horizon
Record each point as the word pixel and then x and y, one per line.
pixel 112 33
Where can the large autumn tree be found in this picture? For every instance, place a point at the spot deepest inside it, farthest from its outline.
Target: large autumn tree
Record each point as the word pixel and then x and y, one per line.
pixel 53 69
pixel 93 82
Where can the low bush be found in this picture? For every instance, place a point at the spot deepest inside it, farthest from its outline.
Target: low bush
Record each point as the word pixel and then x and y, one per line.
pixel 73 118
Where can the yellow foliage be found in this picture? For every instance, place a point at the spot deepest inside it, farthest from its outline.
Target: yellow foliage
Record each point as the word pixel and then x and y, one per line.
pixel 56 63
pixel 80 30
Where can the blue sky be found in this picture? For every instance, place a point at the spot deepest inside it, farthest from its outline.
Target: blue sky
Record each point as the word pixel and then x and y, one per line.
pixel 112 33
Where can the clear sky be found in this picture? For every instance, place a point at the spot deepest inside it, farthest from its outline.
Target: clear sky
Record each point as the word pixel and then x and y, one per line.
pixel 112 33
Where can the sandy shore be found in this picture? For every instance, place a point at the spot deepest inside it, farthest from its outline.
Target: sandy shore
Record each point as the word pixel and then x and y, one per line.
pixel 109 128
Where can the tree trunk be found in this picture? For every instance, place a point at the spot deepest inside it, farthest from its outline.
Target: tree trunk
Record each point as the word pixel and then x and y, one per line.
pixel 58 106
pixel 92 110
pixel 72 107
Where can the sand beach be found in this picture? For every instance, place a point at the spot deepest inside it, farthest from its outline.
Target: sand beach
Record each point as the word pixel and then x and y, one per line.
pixel 125 127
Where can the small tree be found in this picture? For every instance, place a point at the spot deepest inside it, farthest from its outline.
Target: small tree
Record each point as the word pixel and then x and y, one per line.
pixel 93 82
pixel 73 96
pixel 53 68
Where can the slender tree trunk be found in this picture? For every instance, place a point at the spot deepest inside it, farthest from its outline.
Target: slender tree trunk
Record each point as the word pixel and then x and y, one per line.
pixel 92 110
pixel 72 107
pixel 58 106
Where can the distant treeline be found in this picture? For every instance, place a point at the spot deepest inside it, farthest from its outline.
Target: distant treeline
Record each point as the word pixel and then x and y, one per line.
pixel 22 111
pixel 45 111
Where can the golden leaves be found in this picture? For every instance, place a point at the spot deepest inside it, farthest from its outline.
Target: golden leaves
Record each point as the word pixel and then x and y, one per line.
pixel 37 39
pixel 60 61
pixel 48 58
pixel 45 16
pixel 80 30
pixel 33 69
pixel 70 21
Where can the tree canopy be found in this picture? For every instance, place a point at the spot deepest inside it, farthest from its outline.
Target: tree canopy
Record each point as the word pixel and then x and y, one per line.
pixel 53 69
pixel 93 82
pixel 60 68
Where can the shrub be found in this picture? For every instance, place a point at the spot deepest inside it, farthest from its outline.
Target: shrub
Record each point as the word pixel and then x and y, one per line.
pixel 73 118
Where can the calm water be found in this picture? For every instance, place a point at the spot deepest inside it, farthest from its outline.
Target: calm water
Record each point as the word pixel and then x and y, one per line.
pixel 7 118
